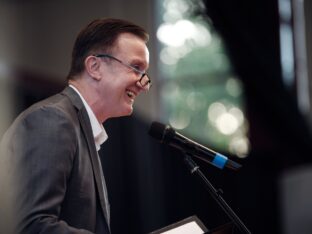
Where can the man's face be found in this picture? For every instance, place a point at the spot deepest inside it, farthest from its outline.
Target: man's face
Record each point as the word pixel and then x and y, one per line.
pixel 119 85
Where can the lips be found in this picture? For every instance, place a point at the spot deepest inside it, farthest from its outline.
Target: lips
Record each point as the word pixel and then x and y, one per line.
pixel 131 94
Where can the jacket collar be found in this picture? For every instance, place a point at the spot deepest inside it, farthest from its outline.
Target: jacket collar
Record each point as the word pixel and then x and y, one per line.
pixel 87 130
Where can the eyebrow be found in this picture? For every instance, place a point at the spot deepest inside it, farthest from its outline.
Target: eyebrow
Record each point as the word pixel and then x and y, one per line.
pixel 139 63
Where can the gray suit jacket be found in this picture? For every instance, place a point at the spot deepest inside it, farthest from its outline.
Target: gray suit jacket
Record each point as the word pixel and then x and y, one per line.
pixel 50 170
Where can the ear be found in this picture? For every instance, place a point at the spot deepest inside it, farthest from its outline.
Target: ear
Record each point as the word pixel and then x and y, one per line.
pixel 92 66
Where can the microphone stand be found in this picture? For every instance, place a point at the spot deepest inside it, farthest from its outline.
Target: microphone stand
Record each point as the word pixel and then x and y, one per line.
pixel 216 194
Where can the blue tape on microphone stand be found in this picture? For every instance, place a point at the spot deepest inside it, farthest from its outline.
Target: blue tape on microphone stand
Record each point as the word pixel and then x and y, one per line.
pixel 219 160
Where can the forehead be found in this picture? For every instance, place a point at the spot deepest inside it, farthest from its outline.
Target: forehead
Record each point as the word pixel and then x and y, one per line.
pixel 129 39
pixel 129 45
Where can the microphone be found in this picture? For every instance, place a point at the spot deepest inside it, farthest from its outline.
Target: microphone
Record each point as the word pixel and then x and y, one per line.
pixel 167 135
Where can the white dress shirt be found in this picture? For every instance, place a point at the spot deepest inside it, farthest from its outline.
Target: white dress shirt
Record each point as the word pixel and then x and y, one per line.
pixel 99 133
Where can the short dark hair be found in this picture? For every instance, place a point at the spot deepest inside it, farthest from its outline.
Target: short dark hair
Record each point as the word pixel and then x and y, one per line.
pixel 100 34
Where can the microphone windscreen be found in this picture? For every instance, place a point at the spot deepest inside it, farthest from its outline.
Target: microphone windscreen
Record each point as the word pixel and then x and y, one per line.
pixel 157 130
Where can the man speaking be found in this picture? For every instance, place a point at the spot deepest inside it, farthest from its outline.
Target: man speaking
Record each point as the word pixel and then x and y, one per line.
pixel 51 176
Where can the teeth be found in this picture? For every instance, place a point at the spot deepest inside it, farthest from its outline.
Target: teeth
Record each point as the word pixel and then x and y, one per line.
pixel 130 94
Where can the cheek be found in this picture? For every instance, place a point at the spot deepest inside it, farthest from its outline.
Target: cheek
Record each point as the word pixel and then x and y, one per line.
pixel 117 90
pixel 113 83
pixel 117 84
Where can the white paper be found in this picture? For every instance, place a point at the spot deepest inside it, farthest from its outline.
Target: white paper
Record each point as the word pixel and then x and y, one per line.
pixel 187 228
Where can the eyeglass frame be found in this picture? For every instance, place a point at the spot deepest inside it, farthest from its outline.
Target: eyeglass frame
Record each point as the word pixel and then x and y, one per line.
pixel 142 73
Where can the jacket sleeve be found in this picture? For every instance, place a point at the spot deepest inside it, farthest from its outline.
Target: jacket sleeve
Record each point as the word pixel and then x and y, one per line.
pixel 40 148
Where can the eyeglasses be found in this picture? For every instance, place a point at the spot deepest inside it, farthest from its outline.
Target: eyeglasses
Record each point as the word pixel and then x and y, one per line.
pixel 144 78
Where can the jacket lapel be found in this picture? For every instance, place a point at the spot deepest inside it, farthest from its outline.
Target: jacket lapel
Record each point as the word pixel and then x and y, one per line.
pixel 87 130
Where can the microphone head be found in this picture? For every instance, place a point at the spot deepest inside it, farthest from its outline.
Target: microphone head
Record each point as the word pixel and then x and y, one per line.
pixel 163 133
pixel 157 130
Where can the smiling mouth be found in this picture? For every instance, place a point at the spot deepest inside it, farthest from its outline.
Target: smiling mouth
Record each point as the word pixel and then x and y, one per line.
pixel 130 94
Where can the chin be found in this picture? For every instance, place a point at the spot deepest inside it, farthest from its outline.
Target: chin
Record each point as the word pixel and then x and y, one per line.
pixel 128 111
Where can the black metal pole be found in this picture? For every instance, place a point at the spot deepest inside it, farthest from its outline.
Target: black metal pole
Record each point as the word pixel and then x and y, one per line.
pixel 216 194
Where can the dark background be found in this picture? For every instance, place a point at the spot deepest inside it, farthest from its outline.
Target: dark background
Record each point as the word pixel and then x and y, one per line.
pixel 150 187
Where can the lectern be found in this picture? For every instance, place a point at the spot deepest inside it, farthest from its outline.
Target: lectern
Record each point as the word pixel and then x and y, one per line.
pixel 193 225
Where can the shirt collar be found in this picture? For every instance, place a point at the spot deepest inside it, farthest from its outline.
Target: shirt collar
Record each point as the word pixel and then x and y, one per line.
pixel 99 133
